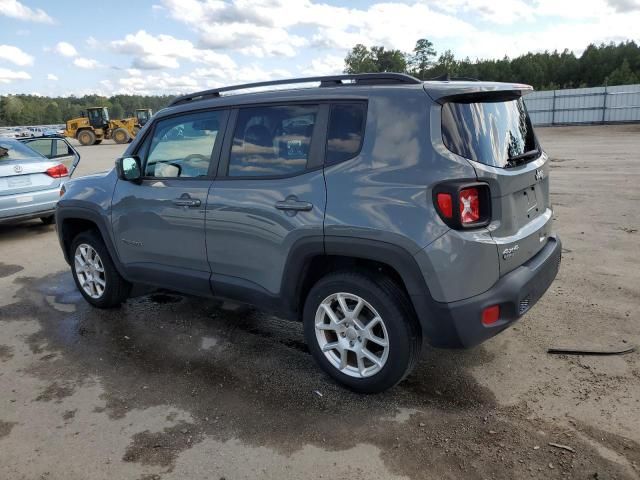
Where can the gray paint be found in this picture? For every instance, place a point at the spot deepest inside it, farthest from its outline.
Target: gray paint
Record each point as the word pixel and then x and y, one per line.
pixel 382 196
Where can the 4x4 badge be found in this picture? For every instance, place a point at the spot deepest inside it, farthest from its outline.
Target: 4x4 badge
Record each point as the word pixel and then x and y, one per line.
pixel 539 175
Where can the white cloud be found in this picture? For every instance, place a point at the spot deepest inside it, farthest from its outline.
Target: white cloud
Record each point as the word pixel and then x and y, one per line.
pixel 8 76
pixel 15 9
pixel 65 49
pixel 163 51
pixel 253 28
pixel 86 63
pixel 52 77
pixel 15 55
pixel 327 65
pixel 161 84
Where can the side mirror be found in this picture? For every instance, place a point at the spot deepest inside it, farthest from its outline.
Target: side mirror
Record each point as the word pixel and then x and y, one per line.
pixel 129 169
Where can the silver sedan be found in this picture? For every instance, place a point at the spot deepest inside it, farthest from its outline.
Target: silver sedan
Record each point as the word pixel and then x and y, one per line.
pixel 31 174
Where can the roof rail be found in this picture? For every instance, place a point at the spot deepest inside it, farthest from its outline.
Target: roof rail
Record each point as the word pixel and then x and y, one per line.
pixel 326 81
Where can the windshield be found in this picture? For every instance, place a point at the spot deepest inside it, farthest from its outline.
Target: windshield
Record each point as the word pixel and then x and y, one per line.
pixel 14 150
pixel 497 133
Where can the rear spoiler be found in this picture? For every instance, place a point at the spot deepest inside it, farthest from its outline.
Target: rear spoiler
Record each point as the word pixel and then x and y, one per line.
pixel 442 92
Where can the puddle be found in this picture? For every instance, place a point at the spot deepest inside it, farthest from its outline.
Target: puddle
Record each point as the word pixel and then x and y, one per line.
pixel 208 342
pixel 259 389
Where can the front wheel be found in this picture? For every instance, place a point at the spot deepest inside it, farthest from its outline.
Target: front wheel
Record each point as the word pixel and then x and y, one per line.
pixel 95 274
pixel 362 330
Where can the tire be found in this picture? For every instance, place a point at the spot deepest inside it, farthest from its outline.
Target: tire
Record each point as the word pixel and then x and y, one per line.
pixel 86 137
pixel 120 136
pixel 115 290
pixel 48 220
pixel 380 297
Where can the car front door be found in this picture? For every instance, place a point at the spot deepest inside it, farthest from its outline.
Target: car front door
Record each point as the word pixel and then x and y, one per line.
pixel 268 195
pixel 158 223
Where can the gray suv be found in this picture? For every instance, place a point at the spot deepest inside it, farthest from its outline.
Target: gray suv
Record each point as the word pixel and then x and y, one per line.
pixel 376 208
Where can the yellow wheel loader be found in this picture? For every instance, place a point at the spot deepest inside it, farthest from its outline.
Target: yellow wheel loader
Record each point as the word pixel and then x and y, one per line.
pixel 142 116
pixel 95 126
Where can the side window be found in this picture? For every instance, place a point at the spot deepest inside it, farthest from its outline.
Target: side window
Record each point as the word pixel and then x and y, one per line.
pixel 346 129
pixel 42 146
pixel 272 141
pixel 61 149
pixel 181 147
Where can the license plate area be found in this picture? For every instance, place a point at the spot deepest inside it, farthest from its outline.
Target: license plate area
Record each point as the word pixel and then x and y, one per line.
pixel 17 182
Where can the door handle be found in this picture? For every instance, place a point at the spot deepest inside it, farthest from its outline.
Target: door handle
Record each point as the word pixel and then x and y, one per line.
pixel 186 201
pixel 295 205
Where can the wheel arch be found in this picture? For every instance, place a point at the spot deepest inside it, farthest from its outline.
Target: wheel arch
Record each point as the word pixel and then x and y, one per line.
pixel 308 261
pixel 71 221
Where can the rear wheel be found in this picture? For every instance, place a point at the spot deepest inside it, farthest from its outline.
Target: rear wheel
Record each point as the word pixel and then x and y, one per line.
pixel 48 220
pixel 120 135
pixel 362 330
pixel 86 137
pixel 95 274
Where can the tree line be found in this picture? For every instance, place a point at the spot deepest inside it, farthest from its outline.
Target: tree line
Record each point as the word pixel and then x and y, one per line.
pixel 37 110
pixel 598 65
pixel 605 64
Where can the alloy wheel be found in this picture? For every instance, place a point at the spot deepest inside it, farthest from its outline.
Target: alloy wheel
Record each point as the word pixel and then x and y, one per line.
pixel 352 335
pixel 90 270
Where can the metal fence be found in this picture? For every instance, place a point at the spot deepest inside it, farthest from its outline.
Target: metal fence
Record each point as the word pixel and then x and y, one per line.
pixel 619 103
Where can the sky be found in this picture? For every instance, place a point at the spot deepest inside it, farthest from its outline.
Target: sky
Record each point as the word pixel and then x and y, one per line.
pixel 177 46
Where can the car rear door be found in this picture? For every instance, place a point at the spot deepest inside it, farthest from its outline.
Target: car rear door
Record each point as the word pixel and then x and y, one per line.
pixel 158 224
pixel 269 194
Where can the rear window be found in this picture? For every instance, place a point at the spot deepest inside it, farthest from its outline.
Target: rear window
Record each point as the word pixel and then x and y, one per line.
pixel 496 133
pixel 14 150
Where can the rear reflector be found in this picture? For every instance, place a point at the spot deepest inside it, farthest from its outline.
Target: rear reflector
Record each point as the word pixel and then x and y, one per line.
pixel 491 315
pixel 57 171
pixel 469 205
pixel 445 205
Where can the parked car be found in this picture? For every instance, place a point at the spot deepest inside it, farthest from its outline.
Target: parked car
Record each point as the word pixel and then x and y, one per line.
pixel 376 208
pixel 31 174
pixel 8 133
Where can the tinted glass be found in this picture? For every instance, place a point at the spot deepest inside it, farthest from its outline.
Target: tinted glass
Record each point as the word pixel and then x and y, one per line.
pixel 488 132
pixel 272 141
pixel 42 146
pixel 346 126
pixel 15 150
pixel 61 149
pixel 182 146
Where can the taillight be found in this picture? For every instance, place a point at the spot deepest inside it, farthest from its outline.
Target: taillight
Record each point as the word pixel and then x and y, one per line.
pixel 469 205
pixel 445 205
pixel 57 171
pixel 462 204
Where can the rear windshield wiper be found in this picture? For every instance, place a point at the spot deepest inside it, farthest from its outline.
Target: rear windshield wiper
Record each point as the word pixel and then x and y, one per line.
pixel 517 159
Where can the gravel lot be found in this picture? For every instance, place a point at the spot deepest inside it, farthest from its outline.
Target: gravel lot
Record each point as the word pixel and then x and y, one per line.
pixel 174 387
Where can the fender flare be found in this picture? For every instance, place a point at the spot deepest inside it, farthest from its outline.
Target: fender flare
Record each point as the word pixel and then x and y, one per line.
pixel 87 214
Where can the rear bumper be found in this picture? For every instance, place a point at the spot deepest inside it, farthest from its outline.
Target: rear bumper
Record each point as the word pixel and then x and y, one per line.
pixel 24 206
pixel 458 324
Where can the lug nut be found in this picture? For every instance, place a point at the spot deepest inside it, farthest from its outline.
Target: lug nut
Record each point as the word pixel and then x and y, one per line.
pixel 342 334
pixel 359 339
pixel 351 343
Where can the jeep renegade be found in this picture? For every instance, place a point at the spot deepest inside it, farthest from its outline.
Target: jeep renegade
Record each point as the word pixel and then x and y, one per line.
pixel 376 208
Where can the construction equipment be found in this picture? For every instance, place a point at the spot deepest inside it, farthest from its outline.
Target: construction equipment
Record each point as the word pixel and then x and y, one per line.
pixel 142 116
pixel 94 126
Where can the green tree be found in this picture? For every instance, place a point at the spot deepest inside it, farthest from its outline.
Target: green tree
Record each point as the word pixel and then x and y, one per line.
pixel 422 59
pixel 52 114
pixel 623 75
pixel 377 59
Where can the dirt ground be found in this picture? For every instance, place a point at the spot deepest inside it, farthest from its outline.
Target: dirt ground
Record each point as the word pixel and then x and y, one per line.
pixel 172 387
